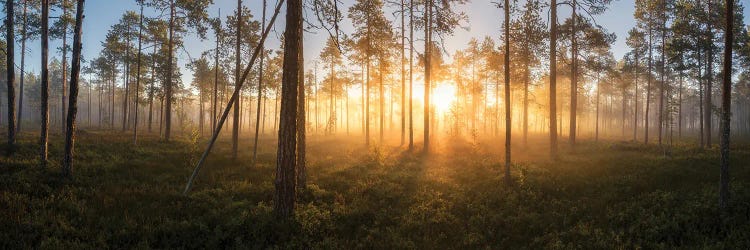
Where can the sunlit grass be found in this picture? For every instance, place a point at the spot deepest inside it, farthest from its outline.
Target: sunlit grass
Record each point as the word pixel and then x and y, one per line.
pixel 600 195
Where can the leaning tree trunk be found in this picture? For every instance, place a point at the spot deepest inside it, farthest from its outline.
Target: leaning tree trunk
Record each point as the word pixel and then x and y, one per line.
pixel 285 182
pixel 11 74
pixel 73 109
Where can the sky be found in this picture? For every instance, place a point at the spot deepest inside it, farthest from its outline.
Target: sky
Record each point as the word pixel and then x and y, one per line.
pixel 484 19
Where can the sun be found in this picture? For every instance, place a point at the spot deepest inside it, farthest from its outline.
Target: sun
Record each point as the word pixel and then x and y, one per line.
pixel 443 96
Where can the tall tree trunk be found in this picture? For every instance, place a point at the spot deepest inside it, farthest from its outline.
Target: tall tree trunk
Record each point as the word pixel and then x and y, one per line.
pixel 553 80
pixel 285 182
pixel 170 71
pixel 73 109
pixel 427 74
pixel 709 78
pixel 23 66
pixel 45 83
pixel 403 79
pixel 301 118
pixel 331 109
pixel 126 83
pixel 726 108
pixel 381 101
pixel 367 88
pixel 99 105
pixel 216 75
pixel 679 108
pixel 525 104
pixel 598 92
pixel 260 90
pixel 151 92
pixel 88 103
pixel 64 65
pixel 236 116
pixel 635 101
pixel 663 82
pixel 700 98
pixel 573 77
pixel 411 75
pixel 624 107
pixel 138 80
pixel 11 75
pixel 648 84
pixel 508 127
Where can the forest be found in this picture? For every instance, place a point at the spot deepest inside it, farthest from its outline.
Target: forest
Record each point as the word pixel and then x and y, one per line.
pixel 375 124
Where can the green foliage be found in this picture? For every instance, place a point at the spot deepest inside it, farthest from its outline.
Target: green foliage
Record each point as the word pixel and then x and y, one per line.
pixel 601 196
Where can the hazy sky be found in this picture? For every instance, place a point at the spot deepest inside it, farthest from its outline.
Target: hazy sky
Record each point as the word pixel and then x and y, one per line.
pixel 484 20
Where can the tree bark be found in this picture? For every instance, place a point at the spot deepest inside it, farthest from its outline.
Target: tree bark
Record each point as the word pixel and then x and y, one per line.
pixel 64 65
pixel 23 64
pixel 553 80
pixel 301 116
pixel 236 116
pixel 508 126
pixel 403 80
pixel 411 75
pixel 11 76
pixel 126 83
pixel 427 74
pixel 726 107
pixel 216 75
pixel 170 71
pixel 709 81
pixel 73 108
pixel 648 83
pixel 138 80
pixel 635 101
pixel 151 93
pixel 285 195
pixel 573 78
pixel 260 91
pixel 45 84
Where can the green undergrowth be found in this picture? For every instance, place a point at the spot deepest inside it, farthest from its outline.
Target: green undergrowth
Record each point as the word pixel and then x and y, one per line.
pixel 597 196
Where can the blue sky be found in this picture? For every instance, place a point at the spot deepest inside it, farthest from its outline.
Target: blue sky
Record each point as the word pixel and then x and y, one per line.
pixel 484 20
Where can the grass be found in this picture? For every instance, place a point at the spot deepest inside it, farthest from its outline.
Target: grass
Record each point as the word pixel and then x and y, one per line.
pixel 599 195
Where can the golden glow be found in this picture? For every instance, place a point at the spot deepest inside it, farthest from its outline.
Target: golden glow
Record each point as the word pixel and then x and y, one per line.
pixel 443 97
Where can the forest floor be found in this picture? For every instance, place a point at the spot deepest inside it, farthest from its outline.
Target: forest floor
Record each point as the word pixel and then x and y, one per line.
pixel 601 195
